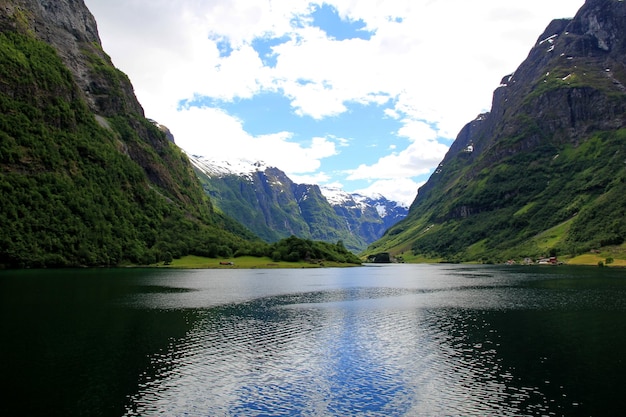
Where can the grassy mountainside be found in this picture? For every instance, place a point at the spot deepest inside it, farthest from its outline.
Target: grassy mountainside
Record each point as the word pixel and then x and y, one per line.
pixel 85 179
pixel 264 203
pixel 545 171
pixel 270 204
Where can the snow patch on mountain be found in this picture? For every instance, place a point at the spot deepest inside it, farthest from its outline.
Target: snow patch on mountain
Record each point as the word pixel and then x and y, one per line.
pixel 339 197
pixel 381 209
pixel 336 197
pixel 220 168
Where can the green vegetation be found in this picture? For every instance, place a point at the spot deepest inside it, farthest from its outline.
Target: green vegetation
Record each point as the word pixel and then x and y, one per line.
pixel 564 199
pixel 575 73
pixel 76 192
pixel 292 252
pixel 294 249
pixel 380 258
pixel 609 256
pixel 239 198
pixel 273 207
pixel 247 262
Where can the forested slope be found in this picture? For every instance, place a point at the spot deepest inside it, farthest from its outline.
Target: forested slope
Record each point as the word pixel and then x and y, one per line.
pixel 85 178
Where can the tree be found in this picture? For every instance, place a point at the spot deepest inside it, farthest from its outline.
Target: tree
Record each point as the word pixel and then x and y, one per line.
pixel 167 258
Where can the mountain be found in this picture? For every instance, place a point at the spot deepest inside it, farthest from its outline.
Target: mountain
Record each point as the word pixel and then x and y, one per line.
pixel 368 216
pixel 544 172
pixel 85 178
pixel 271 205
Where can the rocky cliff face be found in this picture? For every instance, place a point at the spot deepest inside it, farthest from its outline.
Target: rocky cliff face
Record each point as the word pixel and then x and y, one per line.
pixel 570 84
pixel 71 29
pixel 570 88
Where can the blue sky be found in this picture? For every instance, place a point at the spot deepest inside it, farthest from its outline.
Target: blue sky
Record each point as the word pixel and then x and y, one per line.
pixel 366 96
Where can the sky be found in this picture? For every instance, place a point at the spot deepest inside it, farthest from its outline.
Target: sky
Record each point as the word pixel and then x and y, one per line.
pixel 363 95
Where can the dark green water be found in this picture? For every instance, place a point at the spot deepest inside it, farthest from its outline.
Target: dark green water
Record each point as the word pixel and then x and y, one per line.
pixel 414 340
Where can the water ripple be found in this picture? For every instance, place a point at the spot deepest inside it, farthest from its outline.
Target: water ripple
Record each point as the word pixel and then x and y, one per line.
pixel 366 351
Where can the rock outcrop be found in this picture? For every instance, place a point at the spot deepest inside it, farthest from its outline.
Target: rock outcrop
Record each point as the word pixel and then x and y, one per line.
pixel 71 29
pixel 570 84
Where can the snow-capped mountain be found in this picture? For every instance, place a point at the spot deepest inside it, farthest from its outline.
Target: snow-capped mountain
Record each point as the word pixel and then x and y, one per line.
pixel 219 168
pixel 270 204
pixel 356 205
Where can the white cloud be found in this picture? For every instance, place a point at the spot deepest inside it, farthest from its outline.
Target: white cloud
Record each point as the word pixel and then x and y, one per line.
pixel 418 159
pixel 402 190
pixel 240 75
pixel 443 59
pixel 313 99
pixel 317 178
pixel 417 130
pixel 437 61
pixel 212 132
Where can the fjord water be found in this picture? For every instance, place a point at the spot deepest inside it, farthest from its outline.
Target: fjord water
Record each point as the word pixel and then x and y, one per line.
pixel 393 340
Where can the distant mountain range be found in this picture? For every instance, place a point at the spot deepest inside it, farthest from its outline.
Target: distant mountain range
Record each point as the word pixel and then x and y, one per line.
pixel 272 206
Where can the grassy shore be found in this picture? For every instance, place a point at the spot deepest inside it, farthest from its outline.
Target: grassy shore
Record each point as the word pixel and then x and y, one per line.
pixel 611 256
pixel 245 262
pixel 616 253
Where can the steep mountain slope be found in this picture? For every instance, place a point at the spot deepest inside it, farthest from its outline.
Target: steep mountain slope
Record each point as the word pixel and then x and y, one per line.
pixel 85 179
pixel 545 170
pixel 274 207
pixel 369 217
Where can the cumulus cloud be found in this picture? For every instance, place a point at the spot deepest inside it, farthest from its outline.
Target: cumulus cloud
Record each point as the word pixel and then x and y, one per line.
pixel 402 190
pixel 417 159
pixel 427 53
pixel 433 64
pixel 417 130
pixel 317 178
pixel 211 132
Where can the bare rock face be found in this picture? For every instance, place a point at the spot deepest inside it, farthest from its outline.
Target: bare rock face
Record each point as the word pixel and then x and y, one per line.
pixel 602 22
pixel 572 82
pixel 71 29
pixel 73 17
